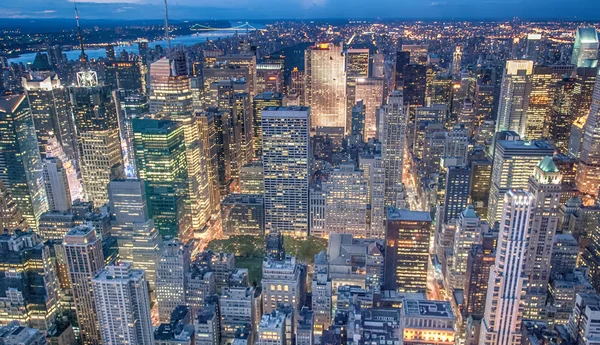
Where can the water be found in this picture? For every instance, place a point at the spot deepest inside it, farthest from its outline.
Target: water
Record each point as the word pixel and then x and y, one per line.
pixel 186 40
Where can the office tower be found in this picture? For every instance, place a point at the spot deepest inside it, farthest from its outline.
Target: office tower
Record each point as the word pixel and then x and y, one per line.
pixel 374 174
pixel 132 225
pixel 418 53
pixel 514 161
pixel 393 138
pixel 402 60
pixel 588 170
pixel 585 81
pixel 20 161
pixel 11 218
pixel 357 68
pixel 283 282
pixel 286 176
pixel 304 327
pixel 480 184
pixel 370 91
pixel 298 85
pixel 427 321
pixel 55 225
pixel 260 101
pixel 545 187
pixel 321 295
pixel 456 194
pixel 55 152
pixel 507 285
pixel 533 48
pixel 469 231
pixel 585 47
pixel 317 210
pixel 357 122
pixel 131 106
pixel 407 235
pixel 561 114
pixel 456 147
pixel 251 179
pixel 269 77
pixel 84 259
pixel 162 165
pixel 123 305
pixel 125 76
pixel 51 117
pixel 271 329
pixel 415 85
pixel 378 65
pixel 173 266
pixel 29 281
pixel 591 258
pixel 239 308
pixel 243 214
pixel 56 184
pixel 467 116
pixel 207 323
pixel 484 99
pixel 514 97
pixel 565 253
pixel 581 326
pixel 424 116
pixel 457 60
pixel 434 146
pixel 480 258
pixel 326 85
pixel 97 128
pixel 346 203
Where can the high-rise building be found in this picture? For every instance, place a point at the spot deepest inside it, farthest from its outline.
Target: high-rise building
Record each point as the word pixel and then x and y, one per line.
pixel 588 170
pixel 484 99
pixel 346 203
pixel 29 281
pixel 533 48
pixel 97 128
pixel 393 138
pixel 514 161
pixel 418 53
pixel 562 114
pixel 161 163
pixel 57 185
pixel 469 232
pixel 457 60
pixel 239 307
pixel 480 259
pixel 20 162
pixel 514 96
pixel 172 269
pixel 456 147
pixel 407 235
pixel 251 179
pixel 402 60
pixel 51 117
pixel 424 116
pixel 15 334
pixel 283 282
pixel 326 85
pixel 286 169
pixel 503 317
pixel 11 218
pixel 271 329
pixel 123 305
pixel 545 187
pixel 321 295
pixel 374 174
pixel 357 67
pixel 84 259
pixel 456 196
pixel 585 47
pixel 370 91
pixel 260 101
pixel 125 76
pixel 427 322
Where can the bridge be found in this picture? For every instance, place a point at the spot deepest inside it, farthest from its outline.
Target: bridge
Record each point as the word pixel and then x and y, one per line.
pixel 243 27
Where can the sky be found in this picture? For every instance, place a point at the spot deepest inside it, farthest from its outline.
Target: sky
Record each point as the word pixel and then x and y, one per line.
pixel 305 9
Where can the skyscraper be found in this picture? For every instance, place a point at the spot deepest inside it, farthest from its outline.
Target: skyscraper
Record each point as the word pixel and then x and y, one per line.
pixel 84 258
pixel 326 85
pixel 370 91
pixel 585 47
pixel 173 266
pixel 503 317
pixel 286 152
pixel 260 101
pixel 123 305
pixel 20 162
pixel 10 215
pixel 514 96
pixel 480 259
pixel 57 186
pixel 393 138
pixel 346 204
pixel 514 161
pixel 456 196
pixel 407 235
pixel 97 128
pixel 545 187
pixel 588 170
pixel 357 67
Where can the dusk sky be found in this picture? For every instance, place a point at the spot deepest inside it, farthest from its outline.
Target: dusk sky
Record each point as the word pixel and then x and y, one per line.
pixel 302 9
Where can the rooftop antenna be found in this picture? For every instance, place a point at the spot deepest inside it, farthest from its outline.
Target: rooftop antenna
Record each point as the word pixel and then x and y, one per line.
pixel 167 37
pixel 83 57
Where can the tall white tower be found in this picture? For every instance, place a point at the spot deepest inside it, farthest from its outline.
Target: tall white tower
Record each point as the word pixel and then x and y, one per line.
pixel 514 96
pixel 503 318
pixel 393 137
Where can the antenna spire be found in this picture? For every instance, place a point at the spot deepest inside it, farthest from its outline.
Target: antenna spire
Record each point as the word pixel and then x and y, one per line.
pixel 83 57
pixel 167 37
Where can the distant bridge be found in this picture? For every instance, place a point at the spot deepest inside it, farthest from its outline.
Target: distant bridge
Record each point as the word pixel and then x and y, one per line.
pixel 243 27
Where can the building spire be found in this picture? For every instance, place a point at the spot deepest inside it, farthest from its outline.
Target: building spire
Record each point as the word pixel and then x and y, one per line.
pixel 167 37
pixel 83 57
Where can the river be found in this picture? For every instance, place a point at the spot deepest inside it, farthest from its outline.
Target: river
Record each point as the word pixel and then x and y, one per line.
pixel 186 40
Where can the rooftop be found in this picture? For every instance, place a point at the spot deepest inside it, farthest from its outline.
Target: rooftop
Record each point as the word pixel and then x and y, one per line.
pixel 547 165
pixel 398 214
pixel 426 308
